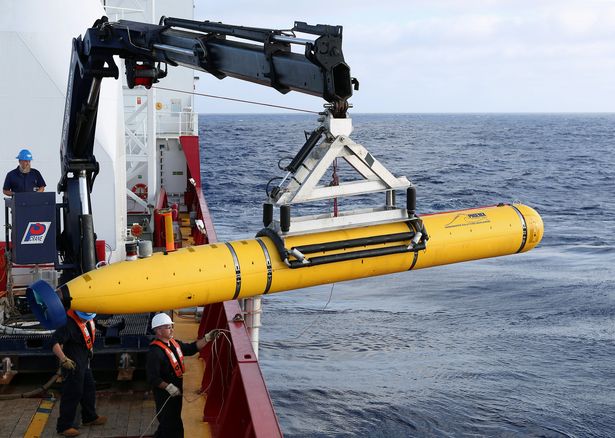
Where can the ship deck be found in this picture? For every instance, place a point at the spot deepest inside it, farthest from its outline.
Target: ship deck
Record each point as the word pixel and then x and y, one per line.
pixel 129 406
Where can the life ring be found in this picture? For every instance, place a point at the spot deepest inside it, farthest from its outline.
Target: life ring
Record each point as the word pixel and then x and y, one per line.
pixel 140 190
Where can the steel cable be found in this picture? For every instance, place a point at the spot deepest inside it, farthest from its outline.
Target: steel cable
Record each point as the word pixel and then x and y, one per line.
pixel 252 102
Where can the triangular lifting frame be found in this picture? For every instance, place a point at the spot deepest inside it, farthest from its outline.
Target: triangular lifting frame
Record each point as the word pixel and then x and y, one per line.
pixel 303 185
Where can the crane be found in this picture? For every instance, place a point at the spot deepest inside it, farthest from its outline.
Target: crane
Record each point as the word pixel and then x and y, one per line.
pixel 288 253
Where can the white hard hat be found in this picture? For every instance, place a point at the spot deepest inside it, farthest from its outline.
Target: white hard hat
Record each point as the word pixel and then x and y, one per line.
pixel 161 319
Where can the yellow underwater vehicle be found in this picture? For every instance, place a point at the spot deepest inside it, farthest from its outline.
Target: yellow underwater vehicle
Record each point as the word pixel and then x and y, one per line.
pixel 290 252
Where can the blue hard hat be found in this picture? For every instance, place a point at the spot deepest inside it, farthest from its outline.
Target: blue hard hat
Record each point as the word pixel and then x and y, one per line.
pixel 84 315
pixel 25 155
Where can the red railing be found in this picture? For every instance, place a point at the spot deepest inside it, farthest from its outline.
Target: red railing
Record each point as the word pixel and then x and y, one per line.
pixel 238 403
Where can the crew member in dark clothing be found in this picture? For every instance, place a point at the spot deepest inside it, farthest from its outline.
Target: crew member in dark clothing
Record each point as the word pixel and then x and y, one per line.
pixel 165 368
pixel 72 344
pixel 24 178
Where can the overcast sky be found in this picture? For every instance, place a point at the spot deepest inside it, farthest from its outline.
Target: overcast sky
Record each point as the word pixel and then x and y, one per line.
pixel 444 55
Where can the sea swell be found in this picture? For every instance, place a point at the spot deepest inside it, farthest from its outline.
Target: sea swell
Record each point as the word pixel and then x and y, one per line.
pixel 512 346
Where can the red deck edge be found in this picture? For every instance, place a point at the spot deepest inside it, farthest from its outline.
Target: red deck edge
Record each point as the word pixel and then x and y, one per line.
pixel 190 146
pixel 238 402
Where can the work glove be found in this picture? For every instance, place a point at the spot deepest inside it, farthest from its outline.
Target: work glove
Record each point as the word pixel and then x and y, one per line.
pixel 173 390
pixel 68 364
pixel 212 335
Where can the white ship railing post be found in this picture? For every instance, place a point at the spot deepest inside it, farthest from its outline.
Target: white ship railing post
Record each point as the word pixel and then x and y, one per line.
pixel 152 150
pixel 253 309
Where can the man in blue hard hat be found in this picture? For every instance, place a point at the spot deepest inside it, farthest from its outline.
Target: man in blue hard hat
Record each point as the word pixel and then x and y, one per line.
pixel 24 178
pixel 73 345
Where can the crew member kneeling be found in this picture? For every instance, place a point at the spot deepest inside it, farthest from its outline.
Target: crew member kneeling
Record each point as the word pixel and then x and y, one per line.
pixel 165 368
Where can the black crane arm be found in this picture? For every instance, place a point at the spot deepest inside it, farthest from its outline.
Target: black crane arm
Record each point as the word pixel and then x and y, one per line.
pixel 262 56
pixel 258 55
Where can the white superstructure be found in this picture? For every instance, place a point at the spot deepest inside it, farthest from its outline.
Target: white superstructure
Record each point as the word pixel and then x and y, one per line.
pixel 156 118
pixel 133 126
pixel 35 61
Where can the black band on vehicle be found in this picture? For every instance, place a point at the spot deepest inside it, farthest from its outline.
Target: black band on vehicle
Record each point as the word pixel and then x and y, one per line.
pixel 237 270
pixel 416 253
pixel 414 260
pixel 268 261
pixel 524 226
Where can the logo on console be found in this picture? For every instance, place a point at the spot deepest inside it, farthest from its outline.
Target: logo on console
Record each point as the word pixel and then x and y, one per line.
pixel 35 233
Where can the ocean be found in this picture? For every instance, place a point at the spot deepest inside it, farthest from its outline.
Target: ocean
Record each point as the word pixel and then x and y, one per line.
pixel 522 345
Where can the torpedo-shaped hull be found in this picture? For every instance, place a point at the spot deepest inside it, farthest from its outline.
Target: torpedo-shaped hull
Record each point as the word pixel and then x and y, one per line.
pixel 243 268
